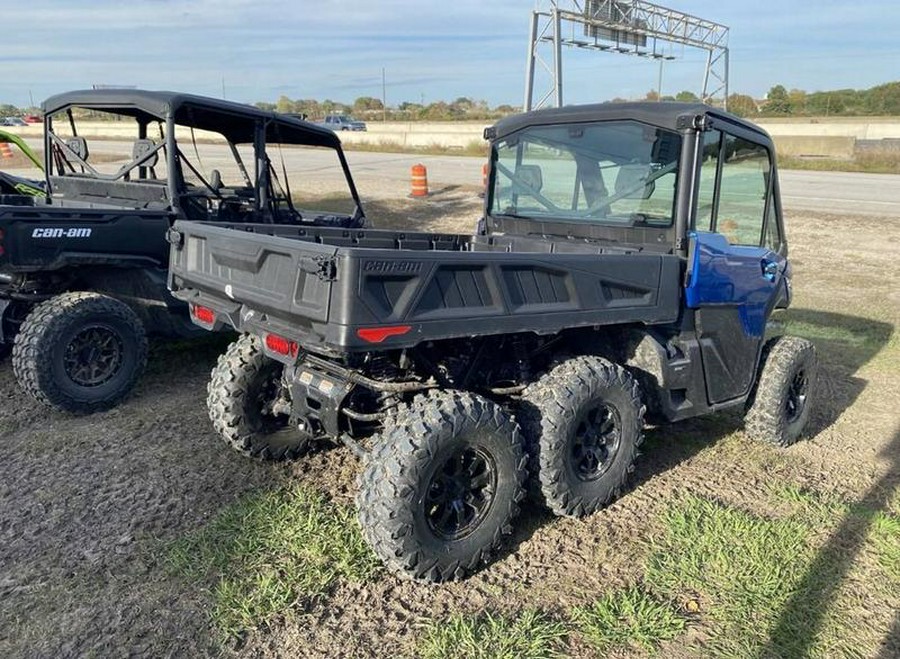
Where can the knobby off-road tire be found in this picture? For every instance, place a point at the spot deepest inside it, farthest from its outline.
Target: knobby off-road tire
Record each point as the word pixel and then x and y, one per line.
pixel 780 407
pixel 442 485
pixel 583 423
pixel 242 387
pixel 80 352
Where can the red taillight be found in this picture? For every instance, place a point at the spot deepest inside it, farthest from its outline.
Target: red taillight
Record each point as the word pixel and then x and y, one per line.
pixel 282 345
pixel 379 334
pixel 204 314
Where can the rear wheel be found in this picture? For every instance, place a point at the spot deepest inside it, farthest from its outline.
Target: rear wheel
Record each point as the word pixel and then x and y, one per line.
pixel 780 408
pixel 583 423
pixel 442 485
pixel 80 352
pixel 248 405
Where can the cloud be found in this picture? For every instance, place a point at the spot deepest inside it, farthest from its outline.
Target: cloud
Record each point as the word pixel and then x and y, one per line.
pixel 337 48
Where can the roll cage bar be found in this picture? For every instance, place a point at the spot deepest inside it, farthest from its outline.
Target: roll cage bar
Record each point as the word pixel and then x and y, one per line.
pixel 238 124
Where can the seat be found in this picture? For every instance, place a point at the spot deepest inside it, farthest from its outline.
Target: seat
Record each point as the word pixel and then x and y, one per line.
pixel 215 180
pixel 141 148
pixel 530 177
pixel 591 177
pixel 78 146
pixel 631 182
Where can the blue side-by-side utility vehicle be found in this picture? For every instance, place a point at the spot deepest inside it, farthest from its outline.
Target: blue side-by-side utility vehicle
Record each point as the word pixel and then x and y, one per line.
pixel 629 259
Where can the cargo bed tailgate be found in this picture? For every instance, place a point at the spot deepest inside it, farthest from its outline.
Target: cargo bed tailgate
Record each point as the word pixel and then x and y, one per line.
pixel 290 280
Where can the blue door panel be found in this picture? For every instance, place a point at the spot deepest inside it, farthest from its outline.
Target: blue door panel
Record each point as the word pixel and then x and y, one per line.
pixel 733 275
pixel 732 289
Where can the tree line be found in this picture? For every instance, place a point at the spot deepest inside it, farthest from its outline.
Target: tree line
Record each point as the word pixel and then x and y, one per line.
pixel 367 107
pixel 882 100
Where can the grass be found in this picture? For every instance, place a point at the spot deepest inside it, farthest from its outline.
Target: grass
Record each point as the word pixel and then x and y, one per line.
pixel 863 336
pixel 851 341
pixel 765 585
pixel 629 618
pixel 818 509
pixel 477 148
pixel 872 162
pixel 885 539
pixel 743 567
pixel 270 553
pixel 622 619
pixel 529 635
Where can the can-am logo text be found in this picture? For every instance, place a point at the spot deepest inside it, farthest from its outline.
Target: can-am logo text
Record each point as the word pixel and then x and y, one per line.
pixel 61 233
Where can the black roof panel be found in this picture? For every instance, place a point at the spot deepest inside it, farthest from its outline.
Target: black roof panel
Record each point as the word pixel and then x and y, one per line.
pixel 234 120
pixel 663 115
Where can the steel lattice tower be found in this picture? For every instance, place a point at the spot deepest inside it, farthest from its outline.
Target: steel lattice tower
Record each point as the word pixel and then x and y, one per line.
pixel 628 27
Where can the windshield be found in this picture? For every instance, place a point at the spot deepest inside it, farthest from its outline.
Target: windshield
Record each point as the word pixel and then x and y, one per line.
pixel 621 173
pixel 309 179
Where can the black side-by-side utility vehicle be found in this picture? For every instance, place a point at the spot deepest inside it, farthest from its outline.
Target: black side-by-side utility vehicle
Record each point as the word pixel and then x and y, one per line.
pixel 83 272
pixel 627 263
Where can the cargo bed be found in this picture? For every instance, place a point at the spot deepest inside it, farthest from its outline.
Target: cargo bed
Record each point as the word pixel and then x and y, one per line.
pixel 339 290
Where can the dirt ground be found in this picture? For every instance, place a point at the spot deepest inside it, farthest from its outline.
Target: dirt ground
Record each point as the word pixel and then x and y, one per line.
pixel 89 504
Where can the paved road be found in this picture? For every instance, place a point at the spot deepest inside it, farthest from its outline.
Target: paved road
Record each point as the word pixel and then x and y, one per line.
pixel 840 192
pixel 837 192
pixel 868 194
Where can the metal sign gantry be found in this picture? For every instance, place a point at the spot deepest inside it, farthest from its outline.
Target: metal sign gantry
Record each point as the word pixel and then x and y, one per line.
pixel 619 26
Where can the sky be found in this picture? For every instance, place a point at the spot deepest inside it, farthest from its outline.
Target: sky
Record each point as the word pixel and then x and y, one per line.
pixel 258 50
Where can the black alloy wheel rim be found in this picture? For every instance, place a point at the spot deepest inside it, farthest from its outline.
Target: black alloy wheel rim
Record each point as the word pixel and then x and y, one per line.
pixel 798 391
pixel 93 356
pixel 598 435
pixel 460 493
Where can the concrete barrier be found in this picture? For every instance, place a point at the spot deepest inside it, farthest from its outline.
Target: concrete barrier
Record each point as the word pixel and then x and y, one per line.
pixel 861 128
pixel 809 136
pixel 827 146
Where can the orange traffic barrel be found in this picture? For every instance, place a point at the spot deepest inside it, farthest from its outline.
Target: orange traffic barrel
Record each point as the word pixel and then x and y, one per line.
pixel 419 181
pixel 5 150
pixel 484 180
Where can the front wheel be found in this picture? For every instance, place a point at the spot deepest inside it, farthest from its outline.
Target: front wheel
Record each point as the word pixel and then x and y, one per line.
pixel 780 408
pixel 80 352
pixel 442 485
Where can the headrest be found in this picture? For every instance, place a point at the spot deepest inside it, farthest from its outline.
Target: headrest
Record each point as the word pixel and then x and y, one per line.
pixel 142 147
pixel 78 146
pixel 531 176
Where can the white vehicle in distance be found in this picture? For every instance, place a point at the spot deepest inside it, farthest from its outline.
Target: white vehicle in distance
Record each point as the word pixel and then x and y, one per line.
pixel 338 122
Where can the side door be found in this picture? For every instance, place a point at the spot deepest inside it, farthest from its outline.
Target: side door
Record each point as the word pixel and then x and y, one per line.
pixel 736 264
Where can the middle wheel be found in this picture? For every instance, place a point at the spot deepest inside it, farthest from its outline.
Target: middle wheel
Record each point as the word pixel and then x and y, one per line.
pixel 442 485
pixel 583 424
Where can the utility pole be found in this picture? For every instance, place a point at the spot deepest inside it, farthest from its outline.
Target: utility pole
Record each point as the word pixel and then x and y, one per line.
pixel 383 96
pixel 659 85
pixel 223 87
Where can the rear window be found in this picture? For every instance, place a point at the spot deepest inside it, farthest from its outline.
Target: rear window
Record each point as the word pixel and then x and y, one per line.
pixel 620 173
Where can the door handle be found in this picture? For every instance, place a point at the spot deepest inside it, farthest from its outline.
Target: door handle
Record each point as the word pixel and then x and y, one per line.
pixel 770 270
